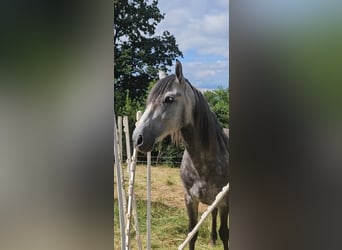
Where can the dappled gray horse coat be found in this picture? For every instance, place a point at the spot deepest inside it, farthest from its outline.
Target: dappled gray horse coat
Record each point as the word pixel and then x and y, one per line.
pixel 174 107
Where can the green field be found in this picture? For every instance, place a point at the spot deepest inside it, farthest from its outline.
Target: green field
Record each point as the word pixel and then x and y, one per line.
pixel 169 219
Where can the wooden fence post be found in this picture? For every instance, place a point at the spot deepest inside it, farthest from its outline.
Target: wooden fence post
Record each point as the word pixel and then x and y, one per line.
pixel 131 194
pixel 148 209
pixel 120 136
pixel 118 169
pixel 148 224
pixel 128 150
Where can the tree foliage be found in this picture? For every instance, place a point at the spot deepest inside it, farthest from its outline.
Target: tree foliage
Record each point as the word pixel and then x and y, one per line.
pixel 138 55
pixel 138 52
pixel 219 103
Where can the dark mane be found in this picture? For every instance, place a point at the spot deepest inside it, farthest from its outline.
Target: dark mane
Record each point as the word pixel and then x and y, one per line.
pixel 207 126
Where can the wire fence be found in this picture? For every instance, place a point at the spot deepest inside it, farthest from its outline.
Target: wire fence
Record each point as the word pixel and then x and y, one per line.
pixel 155 163
pixel 155 160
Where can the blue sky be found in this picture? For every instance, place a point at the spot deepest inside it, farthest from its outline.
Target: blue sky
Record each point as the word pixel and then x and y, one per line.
pixel 201 31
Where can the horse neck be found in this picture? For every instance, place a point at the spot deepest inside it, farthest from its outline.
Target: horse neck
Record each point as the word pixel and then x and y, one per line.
pixel 203 136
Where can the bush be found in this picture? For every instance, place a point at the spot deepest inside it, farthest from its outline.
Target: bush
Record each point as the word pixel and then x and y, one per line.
pixel 219 103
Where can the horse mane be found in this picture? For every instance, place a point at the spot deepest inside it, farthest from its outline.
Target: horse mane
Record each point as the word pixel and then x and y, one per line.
pixel 207 127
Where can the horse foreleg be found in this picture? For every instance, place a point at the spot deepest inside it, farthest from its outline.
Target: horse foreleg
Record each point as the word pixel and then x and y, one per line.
pixel 223 231
pixel 213 234
pixel 192 209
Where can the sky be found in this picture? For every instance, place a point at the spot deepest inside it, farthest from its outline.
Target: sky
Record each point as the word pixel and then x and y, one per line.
pixel 201 32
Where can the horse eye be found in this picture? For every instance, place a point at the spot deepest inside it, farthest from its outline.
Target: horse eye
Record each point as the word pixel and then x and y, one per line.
pixel 169 99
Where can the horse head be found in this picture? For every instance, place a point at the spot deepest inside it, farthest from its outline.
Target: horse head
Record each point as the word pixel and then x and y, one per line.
pixel 168 109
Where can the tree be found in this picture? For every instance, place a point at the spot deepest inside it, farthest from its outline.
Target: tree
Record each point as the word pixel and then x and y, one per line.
pixel 138 54
pixel 219 103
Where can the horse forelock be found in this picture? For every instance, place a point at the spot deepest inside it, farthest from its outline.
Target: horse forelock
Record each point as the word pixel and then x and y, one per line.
pixel 159 89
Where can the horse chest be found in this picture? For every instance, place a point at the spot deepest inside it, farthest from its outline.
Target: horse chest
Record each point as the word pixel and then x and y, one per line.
pixel 201 178
pixel 197 187
pixel 203 191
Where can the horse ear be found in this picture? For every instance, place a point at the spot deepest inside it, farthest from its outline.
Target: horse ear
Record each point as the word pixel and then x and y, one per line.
pixel 179 71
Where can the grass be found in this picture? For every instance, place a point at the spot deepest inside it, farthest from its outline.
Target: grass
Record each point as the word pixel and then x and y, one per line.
pixel 169 219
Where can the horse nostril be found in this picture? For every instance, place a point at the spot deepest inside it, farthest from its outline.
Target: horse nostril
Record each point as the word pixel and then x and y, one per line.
pixel 140 140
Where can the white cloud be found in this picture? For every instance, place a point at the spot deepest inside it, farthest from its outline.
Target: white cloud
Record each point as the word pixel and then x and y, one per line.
pixel 201 31
pixel 216 24
pixel 176 18
pixel 207 74
pixel 201 26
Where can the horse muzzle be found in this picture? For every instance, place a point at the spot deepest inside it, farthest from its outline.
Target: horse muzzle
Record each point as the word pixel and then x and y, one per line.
pixel 142 142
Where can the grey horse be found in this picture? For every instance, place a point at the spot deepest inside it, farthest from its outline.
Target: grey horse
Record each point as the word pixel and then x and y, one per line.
pixel 174 107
